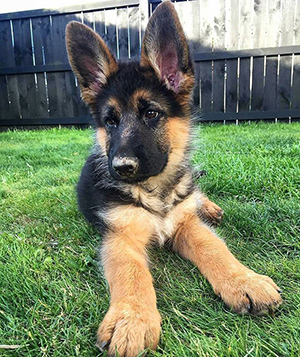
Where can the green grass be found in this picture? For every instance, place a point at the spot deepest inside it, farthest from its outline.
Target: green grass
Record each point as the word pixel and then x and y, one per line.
pixel 52 293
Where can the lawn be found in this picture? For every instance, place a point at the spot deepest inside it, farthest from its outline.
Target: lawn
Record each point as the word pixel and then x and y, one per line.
pixel 52 292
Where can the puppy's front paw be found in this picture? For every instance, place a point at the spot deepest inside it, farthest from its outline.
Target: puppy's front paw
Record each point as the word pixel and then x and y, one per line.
pixel 209 210
pixel 128 329
pixel 249 292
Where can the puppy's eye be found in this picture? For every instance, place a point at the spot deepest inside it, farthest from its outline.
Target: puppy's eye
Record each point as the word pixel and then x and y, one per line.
pixel 151 114
pixel 111 122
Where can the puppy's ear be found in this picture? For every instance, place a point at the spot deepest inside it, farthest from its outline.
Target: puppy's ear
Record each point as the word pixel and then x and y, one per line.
pixel 90 60
pixel 165 49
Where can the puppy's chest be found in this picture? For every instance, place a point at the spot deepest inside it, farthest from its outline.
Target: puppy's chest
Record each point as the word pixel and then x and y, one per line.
pixel 165 207
pixel 160 200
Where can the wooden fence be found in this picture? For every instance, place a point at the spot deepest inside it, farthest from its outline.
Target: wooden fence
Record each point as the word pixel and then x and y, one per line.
pixel 246 53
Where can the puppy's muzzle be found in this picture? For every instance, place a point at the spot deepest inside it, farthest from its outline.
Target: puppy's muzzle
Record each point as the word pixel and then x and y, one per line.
pixel 125 167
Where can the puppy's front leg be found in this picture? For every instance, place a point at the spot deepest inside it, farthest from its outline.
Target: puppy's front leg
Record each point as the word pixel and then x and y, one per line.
pixel 241 288
pixel 132 322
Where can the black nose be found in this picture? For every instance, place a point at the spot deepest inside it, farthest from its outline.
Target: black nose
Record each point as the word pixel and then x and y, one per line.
pixel 125 166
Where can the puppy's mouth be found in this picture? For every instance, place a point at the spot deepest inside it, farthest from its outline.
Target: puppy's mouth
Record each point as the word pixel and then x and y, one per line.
pixel 128 177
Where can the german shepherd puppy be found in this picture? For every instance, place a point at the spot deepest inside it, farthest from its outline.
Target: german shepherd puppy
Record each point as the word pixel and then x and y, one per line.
pixel 137 186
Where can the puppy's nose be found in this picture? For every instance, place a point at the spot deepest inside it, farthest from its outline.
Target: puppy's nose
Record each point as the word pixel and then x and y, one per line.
pixel 125 166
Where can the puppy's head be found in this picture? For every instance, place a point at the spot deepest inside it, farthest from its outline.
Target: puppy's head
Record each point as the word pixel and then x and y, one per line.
pixel 141 110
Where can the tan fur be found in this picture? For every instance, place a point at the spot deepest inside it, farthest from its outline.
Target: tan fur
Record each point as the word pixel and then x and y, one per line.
pixel 140 94
pixel 210 210
pixel 179 135
pixel 229 278
pixel 133 321
pixel 113 102
pixel 101 137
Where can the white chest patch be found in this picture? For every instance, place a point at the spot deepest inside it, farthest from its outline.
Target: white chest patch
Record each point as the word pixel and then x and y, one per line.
pixel 166 227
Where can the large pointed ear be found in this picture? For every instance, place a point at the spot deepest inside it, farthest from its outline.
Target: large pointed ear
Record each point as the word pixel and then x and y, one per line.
pixel 165 49
pixel 90 60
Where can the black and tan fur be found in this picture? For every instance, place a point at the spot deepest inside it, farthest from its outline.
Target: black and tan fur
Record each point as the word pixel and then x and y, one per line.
pixel 137 187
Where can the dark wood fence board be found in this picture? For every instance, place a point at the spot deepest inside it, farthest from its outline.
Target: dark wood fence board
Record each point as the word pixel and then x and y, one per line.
pixel 284 83
pixel 39 25
pixel 7 51
pixel 42 102
pixel 59 23
pixel 30 79
pixel 296 83
pixel 53 79
pixel 40 28
pixel 206 86
pixel 197 87
pixel 257 84
pixel 4 104
pixel 46 30
pixel 13 95
pixel 231 85
pixel 9 84
pixel 52 94
pixel 270 90
pixel 59 100
pixel 23 97
pixel 244 85
pixel 32 94
pixel 218 86
pixel 23 55
pixel 26 44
